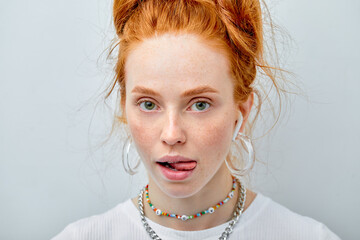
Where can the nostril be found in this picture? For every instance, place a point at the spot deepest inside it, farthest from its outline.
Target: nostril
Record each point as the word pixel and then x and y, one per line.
pixel 173 137
pixel 174 140
pixel 172 132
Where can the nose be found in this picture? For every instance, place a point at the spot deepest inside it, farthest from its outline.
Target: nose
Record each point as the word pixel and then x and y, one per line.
pixel 172 131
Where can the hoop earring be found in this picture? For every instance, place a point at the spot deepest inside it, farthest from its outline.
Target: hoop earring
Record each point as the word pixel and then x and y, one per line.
pixel 248 163
pixel 125 158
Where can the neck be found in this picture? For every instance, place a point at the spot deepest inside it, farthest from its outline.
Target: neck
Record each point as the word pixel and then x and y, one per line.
pixel 213 192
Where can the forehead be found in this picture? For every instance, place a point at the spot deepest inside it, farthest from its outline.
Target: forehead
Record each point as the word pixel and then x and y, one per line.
pixel 182 60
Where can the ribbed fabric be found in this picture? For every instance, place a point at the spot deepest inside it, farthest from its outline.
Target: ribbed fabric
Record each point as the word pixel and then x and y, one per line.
pixel 264 219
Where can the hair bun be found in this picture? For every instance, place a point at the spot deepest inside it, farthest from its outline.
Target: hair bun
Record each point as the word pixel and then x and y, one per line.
pixel 122 10
pixel 243 21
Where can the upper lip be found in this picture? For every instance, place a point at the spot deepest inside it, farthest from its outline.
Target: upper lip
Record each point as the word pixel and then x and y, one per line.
pixel 173 159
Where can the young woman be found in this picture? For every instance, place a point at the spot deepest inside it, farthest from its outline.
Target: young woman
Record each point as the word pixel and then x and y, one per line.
pixel 185 74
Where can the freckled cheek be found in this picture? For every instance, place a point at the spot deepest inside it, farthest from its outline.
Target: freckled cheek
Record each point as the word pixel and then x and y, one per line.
pixel 143 136
pixel 215 138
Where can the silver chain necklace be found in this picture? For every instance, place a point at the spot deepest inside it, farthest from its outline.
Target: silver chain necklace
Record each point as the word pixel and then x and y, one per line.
pixel 237 213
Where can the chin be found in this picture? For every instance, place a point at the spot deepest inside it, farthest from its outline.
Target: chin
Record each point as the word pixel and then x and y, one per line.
pixel 176 190
pixel 183 189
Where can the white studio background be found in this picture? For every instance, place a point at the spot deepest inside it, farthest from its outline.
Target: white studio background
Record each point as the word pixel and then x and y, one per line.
pixel 50 117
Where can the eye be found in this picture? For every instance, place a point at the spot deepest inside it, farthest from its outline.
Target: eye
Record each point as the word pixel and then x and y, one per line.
pixel 200 106
pixel 147 105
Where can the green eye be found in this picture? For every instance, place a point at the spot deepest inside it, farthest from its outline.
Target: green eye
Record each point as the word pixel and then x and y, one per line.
pixel 200 106
pixel 147 105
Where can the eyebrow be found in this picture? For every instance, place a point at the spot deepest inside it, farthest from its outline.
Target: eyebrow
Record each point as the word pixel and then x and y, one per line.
pixel 187 93
pixel 144 90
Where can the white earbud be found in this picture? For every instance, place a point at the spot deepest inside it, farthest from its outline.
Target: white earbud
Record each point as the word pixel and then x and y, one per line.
pixel 238 125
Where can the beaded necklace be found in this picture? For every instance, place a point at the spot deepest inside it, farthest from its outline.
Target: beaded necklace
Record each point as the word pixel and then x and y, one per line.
pixel 228 230
pixel 186 217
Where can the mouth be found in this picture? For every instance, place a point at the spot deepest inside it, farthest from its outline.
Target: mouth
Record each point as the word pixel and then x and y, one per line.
pixel 176 167
pixel 179 166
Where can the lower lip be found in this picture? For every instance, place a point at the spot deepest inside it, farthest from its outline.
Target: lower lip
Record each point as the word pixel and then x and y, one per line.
pixel 175 175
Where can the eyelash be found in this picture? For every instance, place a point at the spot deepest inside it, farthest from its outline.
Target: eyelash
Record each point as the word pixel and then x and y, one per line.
pixel 194 102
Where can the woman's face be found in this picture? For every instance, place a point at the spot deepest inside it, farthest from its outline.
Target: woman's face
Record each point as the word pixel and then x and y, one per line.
pixel 180 111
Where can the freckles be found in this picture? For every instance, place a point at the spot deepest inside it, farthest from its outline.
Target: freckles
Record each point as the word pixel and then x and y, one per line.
pixel 216 134
pixel 214 139
pixel 142 135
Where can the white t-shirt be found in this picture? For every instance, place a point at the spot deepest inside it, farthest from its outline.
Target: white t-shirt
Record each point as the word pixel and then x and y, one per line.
pixel 264 219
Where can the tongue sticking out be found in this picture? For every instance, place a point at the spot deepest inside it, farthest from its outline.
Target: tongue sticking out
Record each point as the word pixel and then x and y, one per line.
pixel 183 166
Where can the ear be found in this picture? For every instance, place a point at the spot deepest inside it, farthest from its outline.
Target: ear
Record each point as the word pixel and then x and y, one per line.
pixel 245 109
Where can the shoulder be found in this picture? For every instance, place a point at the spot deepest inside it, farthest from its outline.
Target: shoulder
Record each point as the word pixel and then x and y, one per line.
pixel 275 221
pixel 101 226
